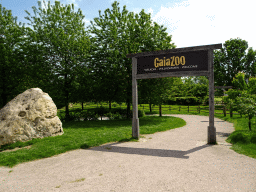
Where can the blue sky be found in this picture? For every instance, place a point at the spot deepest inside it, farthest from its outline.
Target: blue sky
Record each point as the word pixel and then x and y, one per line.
pixel 191 23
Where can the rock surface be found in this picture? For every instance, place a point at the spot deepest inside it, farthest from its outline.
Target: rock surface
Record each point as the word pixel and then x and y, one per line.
pixel 31 114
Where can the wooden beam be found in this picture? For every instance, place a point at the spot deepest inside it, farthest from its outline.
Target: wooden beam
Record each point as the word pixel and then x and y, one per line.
pixel 211 128
pixel 135 119
pixel 172 74
pixel 196 48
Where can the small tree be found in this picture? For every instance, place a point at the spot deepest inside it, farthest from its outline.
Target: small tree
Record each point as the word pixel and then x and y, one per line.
pixel 231 99
pixel 247 107
pixel 252 85
pixel 239 81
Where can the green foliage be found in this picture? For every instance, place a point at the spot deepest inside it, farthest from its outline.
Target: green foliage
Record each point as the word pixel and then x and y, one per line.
pixel 253 138
pixel 200 90
pixel 238 137
pixel 246 106
pixel 239 81
pixel 231 59
pixel 233 93
pixel 184 101
pixel 252 85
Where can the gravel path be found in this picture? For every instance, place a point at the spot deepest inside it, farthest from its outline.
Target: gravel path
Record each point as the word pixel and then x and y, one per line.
pixel 175 160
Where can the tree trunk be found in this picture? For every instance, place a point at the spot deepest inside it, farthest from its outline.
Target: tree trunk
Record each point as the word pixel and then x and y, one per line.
pixel 160 110
pixel 67 117
pixel 150 107
pixel 128 110
pixel 250 123
pixel 224 110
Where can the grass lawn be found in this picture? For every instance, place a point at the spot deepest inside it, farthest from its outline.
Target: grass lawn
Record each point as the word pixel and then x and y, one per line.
pixel 82 135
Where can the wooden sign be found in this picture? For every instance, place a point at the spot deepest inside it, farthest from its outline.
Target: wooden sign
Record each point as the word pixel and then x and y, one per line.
pixel 173 62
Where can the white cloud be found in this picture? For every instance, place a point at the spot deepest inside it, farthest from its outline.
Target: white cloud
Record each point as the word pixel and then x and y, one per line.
pixel 200 22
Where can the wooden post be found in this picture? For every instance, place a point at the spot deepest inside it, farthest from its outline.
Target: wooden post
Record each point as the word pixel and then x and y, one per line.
pixel 135 120
pixel 211 128
pixel 224 110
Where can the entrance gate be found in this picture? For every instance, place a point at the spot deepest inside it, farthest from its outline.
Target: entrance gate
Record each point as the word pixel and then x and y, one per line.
pixel 188 61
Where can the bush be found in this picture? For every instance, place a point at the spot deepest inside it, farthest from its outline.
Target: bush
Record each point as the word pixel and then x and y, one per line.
pixel 238 138
pixel 206 100
pixel 141 113
pixel 186 101
pixel 94 114
pixel 117 116
pixel 253 138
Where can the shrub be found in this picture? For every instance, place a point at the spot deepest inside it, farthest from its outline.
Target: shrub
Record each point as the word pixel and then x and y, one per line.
pixel 238 137
pixel 141 113
pixel 117 116
pixel 185 101
pixel 253 138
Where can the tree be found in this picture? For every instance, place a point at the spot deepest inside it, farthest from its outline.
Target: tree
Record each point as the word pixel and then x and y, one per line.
pixel 247 106
pixel 252 85
pixel 121 34
pixel 13 69
pixel 250 63
pixel 231 59
pixel 62 29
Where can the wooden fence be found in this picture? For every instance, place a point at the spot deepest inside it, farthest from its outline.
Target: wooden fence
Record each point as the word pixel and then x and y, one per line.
pixel 199 108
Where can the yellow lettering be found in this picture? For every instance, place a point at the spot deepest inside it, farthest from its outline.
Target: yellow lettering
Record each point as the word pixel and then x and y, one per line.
pixel 161 63
pixel 172 61
pixel 155 63
pixel 182 60
pixel 177 61
pixel 167 62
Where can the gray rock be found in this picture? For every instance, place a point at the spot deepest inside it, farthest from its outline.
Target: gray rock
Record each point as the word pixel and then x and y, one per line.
pixel 31 114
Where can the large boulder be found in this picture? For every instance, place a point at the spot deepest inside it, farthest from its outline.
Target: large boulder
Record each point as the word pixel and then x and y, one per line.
pixel 31 114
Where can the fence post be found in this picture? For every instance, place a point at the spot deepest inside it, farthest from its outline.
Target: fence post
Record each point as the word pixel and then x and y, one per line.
pixel 224 110
pixel 179 108
pixel 188 108
pixel 170 108
pixel 199 108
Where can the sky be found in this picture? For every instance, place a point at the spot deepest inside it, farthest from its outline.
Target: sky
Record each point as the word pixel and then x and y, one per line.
pixel 191 22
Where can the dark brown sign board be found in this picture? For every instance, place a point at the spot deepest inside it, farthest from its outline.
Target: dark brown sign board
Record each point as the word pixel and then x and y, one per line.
pixel 188 61
pixel 173 62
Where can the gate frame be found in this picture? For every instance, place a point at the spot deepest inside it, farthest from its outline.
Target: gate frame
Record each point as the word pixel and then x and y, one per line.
pixel 209 73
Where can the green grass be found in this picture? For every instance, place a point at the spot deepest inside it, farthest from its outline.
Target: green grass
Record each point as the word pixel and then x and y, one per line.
pixel 83 135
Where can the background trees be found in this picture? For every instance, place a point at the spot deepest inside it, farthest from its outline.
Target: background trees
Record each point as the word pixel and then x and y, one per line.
pixel 119 35
pixel 231 59
pixel 63 31
pixel 12 70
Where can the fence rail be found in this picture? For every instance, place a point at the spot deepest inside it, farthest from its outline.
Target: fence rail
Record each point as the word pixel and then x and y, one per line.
pixel 200 108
